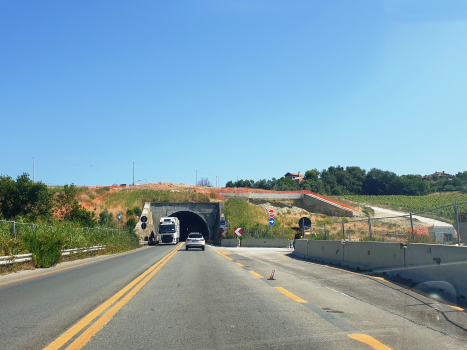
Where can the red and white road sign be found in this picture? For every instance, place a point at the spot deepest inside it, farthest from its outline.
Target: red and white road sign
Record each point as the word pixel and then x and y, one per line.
pixel 224 233
pixel 238 231
pixel 271 213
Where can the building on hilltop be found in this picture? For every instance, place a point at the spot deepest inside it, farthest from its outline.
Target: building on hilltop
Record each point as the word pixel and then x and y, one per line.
pixel 438 176
pixel 297 177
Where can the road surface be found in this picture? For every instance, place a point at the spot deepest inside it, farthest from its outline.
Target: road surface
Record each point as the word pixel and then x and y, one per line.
pixel 217 299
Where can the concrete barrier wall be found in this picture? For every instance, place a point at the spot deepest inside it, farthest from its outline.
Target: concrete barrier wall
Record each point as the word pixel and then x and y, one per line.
pixel 327 251
pixel 373 255
pixel 301 247
pixel 231 242
pixel 439 266
pixel 259 242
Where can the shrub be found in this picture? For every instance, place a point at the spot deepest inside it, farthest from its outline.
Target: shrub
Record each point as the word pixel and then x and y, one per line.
pixel 45 247
pixel 368 211
pixel 137 211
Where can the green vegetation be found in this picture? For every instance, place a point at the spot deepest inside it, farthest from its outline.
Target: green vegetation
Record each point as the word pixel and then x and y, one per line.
pixel 251 218
pixel 24 198
pixel 24 202
pixel 415 204
pixel 368 211
pixel 356 181
pixel 45 243
pixel 130 198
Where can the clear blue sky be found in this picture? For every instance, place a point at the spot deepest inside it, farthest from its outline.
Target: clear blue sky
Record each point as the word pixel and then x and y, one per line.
pixel 247 88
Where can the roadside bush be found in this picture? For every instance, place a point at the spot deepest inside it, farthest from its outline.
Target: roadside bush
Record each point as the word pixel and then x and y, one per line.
pixel 137 211
pixel 46 247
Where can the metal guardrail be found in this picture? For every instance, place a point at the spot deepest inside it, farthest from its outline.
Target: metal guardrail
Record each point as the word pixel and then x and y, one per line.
pixel 6 260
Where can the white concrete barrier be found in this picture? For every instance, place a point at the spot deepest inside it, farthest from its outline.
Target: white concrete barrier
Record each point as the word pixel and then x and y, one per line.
pixel 301 248
pixel 374 255
pixel 439 265
pixel 326 251
pixel 230 242
pixel 270 243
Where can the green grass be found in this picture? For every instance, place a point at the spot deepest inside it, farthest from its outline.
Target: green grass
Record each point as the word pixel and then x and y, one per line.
pixel 131 198
pixel 415 204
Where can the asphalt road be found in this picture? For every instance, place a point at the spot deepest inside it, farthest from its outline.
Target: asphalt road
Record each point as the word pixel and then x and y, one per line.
pixel 219 299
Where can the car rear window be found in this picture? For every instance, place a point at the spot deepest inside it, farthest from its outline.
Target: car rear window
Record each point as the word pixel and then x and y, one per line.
pixel 196 235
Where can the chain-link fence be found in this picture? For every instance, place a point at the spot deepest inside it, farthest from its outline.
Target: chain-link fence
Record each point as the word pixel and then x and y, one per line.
pixel 444 225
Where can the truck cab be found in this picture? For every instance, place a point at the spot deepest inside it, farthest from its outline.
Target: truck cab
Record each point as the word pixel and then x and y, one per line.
pixel 169 230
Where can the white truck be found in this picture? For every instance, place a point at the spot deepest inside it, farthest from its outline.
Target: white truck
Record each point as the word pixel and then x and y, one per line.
pixel 169 230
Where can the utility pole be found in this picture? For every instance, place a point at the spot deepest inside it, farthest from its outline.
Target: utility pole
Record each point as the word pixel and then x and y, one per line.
pixel 33 170
pixel 133 173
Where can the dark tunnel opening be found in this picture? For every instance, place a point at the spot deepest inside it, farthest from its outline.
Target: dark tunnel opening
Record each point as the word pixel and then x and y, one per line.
pixel 190 222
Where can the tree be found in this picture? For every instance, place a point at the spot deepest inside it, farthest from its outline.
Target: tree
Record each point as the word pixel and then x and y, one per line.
pixel 24 198
pixel 285 184
pixel 105 218
pixel 66 200
pixel 70 210
pixel 204 182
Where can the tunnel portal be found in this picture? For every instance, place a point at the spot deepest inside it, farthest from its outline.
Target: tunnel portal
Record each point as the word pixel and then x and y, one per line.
pixel 194 217
pixel 191 222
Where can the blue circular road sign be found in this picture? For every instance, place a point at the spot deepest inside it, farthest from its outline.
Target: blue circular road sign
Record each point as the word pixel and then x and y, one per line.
pixel 271 221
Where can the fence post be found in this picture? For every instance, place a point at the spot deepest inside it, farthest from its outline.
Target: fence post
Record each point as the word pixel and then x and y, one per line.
pixel 343 230
pixel 33 230
pixel 311 231
pixel 350 230
pixel 325 233
pixel 14 233
pixel 456 214
pixel 411 225
pixel 369 226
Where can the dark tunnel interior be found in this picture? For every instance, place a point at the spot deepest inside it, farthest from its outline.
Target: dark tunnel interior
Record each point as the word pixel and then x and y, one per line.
pixel 190 222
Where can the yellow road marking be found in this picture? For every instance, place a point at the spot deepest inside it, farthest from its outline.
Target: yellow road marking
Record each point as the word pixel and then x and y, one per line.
pixel 65 337
pixel 218 252
pixel 385 280
pixel 66 268
pixel 366 339
pixel 240 265
pixel 256 274
pixel 290 295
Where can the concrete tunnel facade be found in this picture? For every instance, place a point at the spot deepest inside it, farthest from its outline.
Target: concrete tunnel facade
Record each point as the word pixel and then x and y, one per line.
pixel 194 217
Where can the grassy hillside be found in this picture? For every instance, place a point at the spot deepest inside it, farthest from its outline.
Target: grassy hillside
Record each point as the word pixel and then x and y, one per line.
pixel 129 198
pixel 414 204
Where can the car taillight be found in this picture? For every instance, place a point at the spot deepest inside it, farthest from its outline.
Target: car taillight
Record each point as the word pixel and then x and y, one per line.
pixel 188 239
pixel 202 239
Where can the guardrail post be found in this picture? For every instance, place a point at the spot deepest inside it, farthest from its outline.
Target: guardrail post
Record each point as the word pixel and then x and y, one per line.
pixel 456 217
pixel 411 225
pixel 369 226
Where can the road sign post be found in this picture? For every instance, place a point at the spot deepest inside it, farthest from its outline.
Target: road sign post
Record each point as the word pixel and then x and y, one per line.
pixel 119 219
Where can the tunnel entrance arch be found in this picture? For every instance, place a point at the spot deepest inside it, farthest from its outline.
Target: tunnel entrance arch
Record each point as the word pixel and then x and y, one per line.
pixel 202 217
pixel 191 222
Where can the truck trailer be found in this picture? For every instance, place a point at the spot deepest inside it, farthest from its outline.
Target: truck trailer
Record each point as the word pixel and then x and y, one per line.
pixel 169 230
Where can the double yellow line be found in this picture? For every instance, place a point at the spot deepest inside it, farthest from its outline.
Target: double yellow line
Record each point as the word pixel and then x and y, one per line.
pixel 138 283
